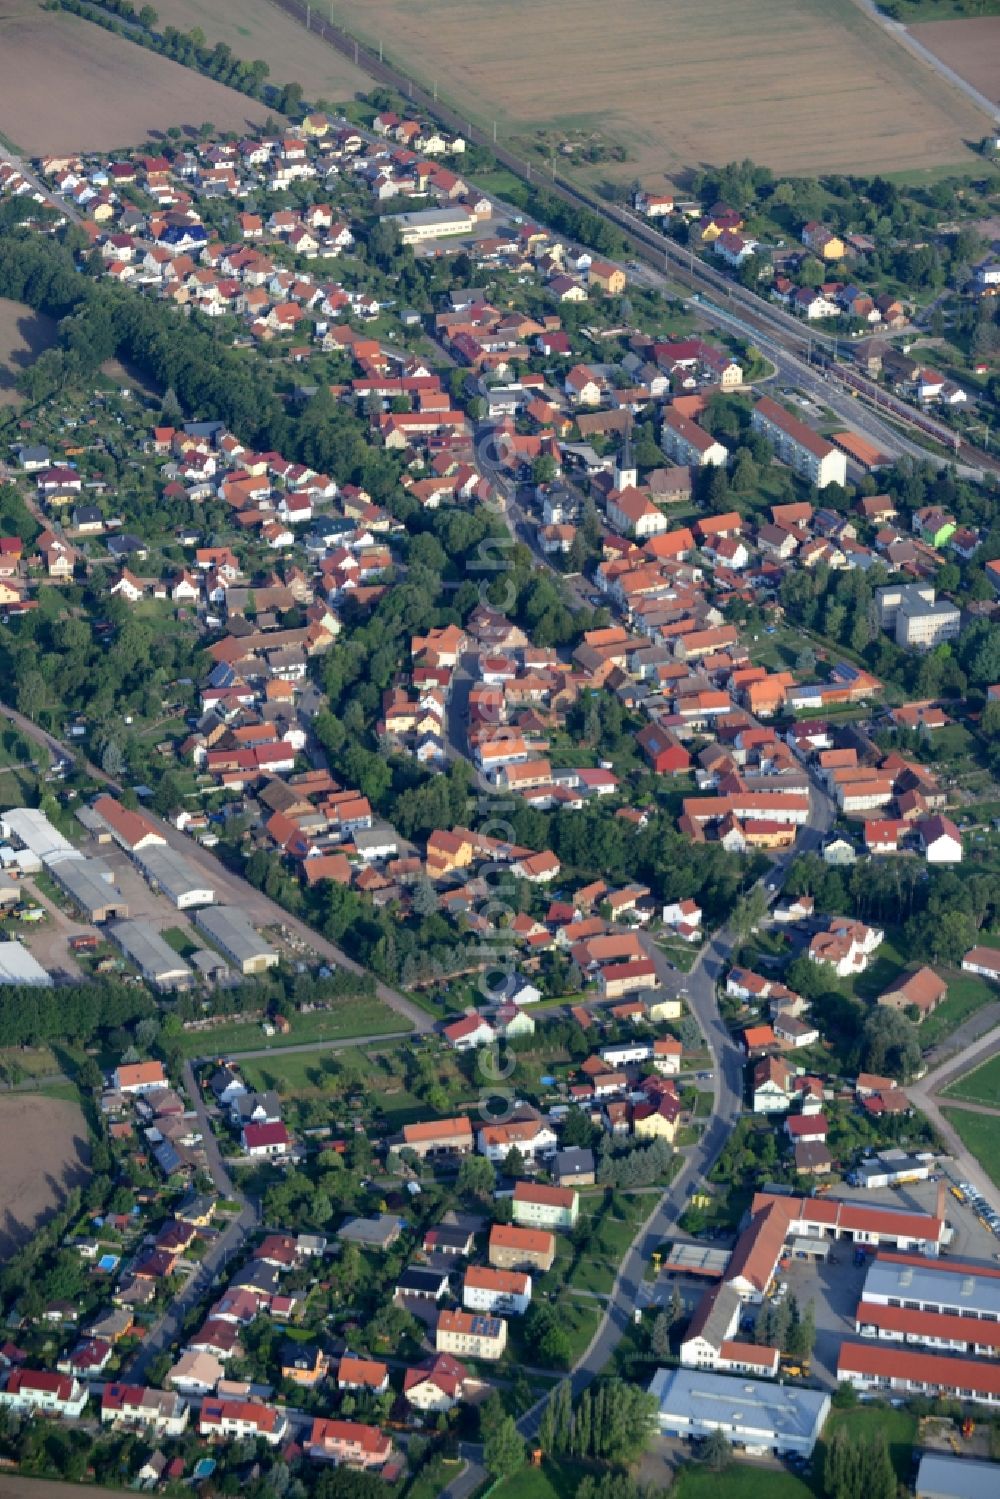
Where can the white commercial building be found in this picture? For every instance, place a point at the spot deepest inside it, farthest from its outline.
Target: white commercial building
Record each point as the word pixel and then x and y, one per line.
pixel 948 1287
pixel 432 223
pixel 941 1477
pixel 18 966
pixel 755 1415
pixel 175 876
pixel 32 830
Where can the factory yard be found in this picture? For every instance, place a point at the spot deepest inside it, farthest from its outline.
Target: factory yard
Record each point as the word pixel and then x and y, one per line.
pixel 821 87
pixel 970 46
pixel 100 91
pixel 834 1288
pixel 45 1155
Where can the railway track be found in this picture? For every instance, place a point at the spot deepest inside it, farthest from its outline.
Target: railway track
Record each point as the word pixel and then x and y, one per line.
pixel 648 244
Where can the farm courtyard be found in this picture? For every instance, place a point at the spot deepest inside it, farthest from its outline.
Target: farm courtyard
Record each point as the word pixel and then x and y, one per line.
pixel 798 85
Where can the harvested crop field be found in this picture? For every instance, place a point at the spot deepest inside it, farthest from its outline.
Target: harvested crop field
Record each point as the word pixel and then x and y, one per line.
pixel 255 28
pixel 799 85
pixel 970 47
pixel 45 1154
pixel 15 1486
pixel 68 85
pixel 23 336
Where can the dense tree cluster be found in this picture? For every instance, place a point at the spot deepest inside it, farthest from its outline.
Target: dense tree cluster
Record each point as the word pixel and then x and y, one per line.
pixel 858 1467
pixel 31 1017
pixel 610 1420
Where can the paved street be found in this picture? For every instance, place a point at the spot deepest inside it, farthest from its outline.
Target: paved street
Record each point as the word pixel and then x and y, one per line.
pixel 223 1249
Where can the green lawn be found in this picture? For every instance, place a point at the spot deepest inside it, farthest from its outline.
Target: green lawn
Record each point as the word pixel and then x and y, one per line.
pixel 555 1479
pixel 899 1427
pixel 980 1086
pixel 348 1018
pixel 180 941
pixel 741 1481
pixel 978 1132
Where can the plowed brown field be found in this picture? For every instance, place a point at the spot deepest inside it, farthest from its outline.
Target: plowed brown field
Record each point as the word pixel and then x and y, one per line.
pixel 799 85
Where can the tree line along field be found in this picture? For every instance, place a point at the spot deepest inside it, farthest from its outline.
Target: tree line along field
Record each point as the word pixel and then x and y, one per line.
pixel 798 85
pixel 254 28
pixel 69 85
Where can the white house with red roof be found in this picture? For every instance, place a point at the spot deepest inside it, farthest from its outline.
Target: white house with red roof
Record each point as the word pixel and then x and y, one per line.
pixel 266 1139
pixel 31 1391
pixel 684 916
pixel 471 1031
pixel 238 1420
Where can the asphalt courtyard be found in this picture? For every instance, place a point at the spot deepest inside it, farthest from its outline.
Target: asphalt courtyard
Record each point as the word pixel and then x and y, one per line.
pixel 834 1286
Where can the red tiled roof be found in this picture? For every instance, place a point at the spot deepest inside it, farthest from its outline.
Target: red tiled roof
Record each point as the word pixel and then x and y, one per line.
pixel 929 1369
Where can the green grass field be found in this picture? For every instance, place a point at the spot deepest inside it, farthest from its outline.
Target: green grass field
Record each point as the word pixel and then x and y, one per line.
pixel 347 1019
pixel 609 1240
pixel 29 1061
pixel 555 1479
pixel 979 1086
pixel 741 1481
pixel 978 1132
pixel 899 1427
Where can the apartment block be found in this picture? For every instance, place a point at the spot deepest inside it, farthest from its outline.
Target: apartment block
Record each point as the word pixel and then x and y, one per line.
pixel 799 446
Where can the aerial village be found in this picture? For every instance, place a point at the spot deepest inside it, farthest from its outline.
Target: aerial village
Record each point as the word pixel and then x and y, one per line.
pixel 730 737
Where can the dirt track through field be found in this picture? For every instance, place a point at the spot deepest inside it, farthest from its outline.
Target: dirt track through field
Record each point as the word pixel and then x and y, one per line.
pixel 45 1153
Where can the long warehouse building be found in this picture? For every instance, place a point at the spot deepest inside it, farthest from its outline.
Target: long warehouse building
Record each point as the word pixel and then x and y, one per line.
pixel 945 1287
pixel 154 958
pixel 32 830
pixel 237 937
pixel 90 885
pixel 873 1369
pixel 18 966
pixel 174 876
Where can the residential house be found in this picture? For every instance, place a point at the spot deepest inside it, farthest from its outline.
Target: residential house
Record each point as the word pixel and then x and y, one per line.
pixel 538 1206
pixel 470 1334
